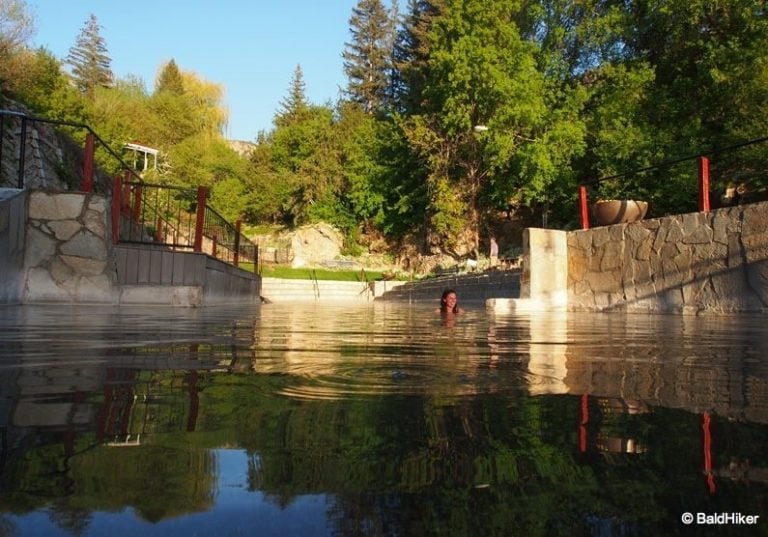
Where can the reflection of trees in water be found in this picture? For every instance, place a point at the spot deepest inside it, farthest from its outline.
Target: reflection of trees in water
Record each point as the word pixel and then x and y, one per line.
pixel 492 466
pixel 73 520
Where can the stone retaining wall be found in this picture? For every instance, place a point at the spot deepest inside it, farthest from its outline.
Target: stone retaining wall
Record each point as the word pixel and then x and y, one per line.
pixel 68 256
pixel 714 262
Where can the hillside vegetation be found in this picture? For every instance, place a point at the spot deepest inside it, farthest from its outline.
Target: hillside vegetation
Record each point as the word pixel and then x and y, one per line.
pixel 458 117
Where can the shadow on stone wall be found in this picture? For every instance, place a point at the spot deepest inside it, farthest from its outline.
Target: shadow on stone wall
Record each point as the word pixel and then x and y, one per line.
pixel 713 262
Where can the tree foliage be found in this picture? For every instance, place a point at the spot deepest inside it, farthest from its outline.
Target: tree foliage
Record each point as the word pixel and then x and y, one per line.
pixel 16 27
pixel 295 106
pixel 454 111
pixel 90 59
pixel 368 56
pixel 170 79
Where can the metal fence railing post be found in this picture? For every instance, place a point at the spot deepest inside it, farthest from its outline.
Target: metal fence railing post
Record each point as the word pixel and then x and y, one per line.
pixel 238 224
pixel 117 190
pixel 703 184
pixel 88 153
pixel 136 208
pixel 583 207
pixel 2 138
pixel 202 195
pixel 22 150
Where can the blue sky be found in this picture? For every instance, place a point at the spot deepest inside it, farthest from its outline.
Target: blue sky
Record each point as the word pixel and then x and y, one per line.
pixel 251 47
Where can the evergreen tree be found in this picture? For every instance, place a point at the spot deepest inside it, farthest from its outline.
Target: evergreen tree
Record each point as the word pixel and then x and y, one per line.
pixel 170 79
pixel 295 105
pixel 368 57
pixel 89 59
pixel 410 53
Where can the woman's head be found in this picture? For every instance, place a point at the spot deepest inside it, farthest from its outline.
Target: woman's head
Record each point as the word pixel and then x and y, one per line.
pixel 449 302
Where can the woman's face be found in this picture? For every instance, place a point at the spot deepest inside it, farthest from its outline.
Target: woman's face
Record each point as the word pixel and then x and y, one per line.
pixel 450 300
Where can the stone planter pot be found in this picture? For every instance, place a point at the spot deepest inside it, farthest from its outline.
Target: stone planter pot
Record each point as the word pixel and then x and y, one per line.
pixel 609 212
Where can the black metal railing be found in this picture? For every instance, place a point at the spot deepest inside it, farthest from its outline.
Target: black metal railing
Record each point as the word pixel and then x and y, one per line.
pixel 178 218
pixel 21 155
pixel 738 174
pixel 175 217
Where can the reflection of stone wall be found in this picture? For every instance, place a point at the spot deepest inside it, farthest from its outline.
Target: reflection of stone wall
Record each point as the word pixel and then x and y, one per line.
pixel 695 363
pixel 68 256
pixel 715 262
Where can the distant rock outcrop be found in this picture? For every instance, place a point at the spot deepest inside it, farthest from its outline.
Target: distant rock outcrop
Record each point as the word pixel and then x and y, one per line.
pixel 241 147
pixel 315 244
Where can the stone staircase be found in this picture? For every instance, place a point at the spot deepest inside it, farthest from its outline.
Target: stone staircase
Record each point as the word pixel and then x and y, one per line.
pixel 473 287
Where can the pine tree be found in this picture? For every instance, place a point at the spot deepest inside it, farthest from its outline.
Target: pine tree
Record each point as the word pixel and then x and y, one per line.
pixel 410 54
pixel 295 105
pixel 368 57
pixel 170 79
pixel 89 59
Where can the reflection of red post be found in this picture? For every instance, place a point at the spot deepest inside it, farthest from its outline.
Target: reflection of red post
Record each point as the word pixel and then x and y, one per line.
pixel 583 424
pixel 703 184
pixel 194 402
pixel 583 207
pixel 88 151
pixel 707 441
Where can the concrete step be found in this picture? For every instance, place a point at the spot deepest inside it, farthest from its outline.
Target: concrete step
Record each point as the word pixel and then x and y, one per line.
pixel 469 287
pixel 282 290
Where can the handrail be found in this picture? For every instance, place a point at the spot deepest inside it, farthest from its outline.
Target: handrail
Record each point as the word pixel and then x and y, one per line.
pixel 178 218
pixel 668 163
pixel 137 216
pixel 703 176
pixel 90 132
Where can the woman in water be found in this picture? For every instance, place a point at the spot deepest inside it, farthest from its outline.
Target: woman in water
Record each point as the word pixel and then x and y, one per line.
pixel 449 303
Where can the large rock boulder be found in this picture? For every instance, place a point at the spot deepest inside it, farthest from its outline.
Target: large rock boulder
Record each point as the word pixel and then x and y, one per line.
pixel 316 243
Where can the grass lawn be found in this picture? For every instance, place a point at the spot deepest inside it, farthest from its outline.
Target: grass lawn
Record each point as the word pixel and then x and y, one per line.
pixel 277 271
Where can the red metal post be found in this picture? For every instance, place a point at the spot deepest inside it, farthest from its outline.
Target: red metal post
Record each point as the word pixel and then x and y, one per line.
pixel 126 199
pixel 707 441
pixel 87 184
pixel 584 210
pixel 136 209
pixel 159 235
pixel 117 191
pixel 703 184
pixel 202 196
pixel 238 225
